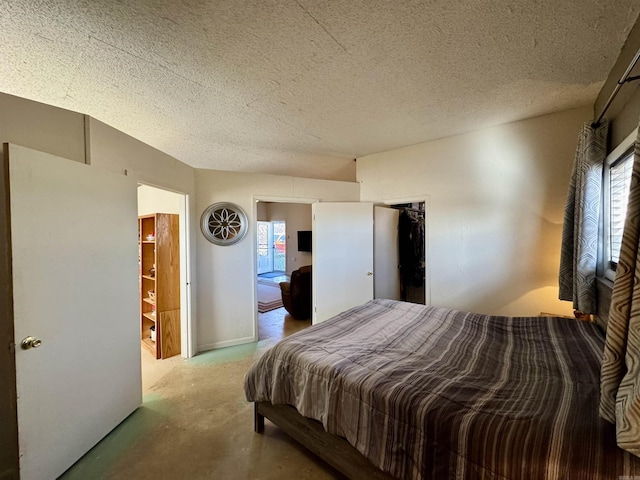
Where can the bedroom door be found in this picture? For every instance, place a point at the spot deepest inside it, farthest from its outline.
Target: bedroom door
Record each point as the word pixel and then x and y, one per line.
pixel 386 282
pixel 342 257
pixel 75 297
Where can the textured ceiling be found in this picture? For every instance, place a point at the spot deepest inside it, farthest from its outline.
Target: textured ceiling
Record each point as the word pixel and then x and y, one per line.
pixel 303 86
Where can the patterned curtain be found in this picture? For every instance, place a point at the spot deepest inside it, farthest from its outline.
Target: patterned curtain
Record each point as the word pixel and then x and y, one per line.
pixel 620 378
pixel 579 256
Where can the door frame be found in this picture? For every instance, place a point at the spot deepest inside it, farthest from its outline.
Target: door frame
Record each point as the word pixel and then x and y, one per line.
pixel 187 331
pixel 9 452
pixel 427 211
pixel 253 232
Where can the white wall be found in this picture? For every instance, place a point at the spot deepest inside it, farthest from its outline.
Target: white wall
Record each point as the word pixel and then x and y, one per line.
pixel 42 127
pixel 297 217
pixel 116 151
pixel 155 200
pixel 226 300
pixel 262 212
pixel 494 221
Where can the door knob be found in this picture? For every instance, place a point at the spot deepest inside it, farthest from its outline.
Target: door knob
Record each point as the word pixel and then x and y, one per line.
pixel 30 342
pixel 369 273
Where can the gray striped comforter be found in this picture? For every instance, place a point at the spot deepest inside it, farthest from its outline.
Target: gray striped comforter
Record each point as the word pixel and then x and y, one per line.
pixel 432 393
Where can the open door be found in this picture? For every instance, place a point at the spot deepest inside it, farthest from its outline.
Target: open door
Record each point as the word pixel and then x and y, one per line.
pixel 74 260
pixel 385 253
pixel 342 257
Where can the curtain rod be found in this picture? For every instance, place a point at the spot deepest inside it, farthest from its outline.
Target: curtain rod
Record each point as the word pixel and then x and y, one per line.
pixel 625 78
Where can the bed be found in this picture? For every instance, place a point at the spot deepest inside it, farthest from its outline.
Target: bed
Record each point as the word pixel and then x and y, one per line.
pixel 397 390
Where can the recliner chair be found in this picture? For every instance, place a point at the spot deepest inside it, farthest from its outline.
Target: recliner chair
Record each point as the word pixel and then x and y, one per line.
pixel 296 294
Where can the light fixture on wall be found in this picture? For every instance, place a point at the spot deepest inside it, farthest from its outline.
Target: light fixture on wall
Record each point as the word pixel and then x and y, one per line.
pixel 224 223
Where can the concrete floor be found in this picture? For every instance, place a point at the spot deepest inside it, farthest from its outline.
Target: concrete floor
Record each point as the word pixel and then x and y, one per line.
pixel 153 370
pixel 196 424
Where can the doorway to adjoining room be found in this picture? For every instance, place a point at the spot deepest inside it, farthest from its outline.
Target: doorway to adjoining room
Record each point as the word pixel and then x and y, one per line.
pixel 162 216
pixel 278 255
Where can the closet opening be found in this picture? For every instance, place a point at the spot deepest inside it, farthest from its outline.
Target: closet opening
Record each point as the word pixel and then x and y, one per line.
pixel 163 273
pixel 410 280
pixel 412 251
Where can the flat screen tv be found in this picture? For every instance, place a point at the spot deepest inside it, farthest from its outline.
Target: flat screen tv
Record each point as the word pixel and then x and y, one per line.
pixel 304 240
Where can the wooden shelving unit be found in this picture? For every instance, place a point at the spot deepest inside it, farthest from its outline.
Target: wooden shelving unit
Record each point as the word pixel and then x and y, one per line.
pixel 159 250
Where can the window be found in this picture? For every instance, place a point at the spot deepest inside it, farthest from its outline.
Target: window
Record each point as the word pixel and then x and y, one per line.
pixel 617 179
pixel 619 182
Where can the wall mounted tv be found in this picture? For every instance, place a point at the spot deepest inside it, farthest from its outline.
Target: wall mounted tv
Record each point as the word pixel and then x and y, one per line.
pixel 304 240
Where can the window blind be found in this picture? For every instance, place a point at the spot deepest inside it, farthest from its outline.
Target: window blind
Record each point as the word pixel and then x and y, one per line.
pixel 620 181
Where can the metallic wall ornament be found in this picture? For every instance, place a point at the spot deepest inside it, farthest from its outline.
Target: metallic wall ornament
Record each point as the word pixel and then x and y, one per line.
pixel 224 223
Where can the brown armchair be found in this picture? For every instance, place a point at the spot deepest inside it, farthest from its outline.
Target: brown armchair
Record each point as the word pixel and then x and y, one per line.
pixel 296 295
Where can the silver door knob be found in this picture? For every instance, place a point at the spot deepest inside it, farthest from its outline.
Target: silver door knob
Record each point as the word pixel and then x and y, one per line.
pixel 30 342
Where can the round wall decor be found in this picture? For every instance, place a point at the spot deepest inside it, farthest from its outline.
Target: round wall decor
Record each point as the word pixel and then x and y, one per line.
pixel 224 223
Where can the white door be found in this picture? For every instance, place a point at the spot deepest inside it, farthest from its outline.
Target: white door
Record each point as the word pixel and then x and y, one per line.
pixel 265 247
pixel 342 257
pixel 385 253
pixel 75 289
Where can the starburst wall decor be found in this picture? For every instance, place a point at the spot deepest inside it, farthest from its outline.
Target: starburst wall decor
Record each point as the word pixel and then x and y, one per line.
pixel 224 223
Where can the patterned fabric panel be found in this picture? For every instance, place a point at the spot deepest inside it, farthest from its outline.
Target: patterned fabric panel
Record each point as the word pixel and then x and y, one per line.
pixel 432 393
pixel 579 255
pixel 620 400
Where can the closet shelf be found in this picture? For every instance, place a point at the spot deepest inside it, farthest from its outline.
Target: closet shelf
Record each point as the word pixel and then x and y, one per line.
pixel 159 270
pixel 151 346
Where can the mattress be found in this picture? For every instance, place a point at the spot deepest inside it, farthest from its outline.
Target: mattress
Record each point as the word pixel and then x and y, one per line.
pixel 433 393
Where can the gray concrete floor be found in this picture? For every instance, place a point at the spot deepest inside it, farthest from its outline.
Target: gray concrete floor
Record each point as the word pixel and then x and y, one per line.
pixel 196 424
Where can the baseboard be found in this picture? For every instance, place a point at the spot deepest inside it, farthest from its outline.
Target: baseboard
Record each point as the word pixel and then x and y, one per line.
pixel 226 343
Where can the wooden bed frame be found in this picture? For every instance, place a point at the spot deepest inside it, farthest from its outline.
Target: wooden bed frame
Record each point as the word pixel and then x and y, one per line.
pixel 334 450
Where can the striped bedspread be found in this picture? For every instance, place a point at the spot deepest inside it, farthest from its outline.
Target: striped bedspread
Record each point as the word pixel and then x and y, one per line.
pixel 432 393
